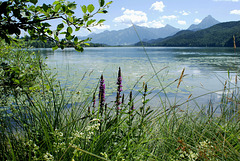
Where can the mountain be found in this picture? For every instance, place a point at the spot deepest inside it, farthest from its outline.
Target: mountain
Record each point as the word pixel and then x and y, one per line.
pixel 206 23
pixel 220 35
pixel 128 36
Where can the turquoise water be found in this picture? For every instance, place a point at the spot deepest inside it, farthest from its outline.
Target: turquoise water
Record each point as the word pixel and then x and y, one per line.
pixel 206 70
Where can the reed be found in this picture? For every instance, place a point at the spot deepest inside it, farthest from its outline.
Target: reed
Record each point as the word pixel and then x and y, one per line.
pixel 43 120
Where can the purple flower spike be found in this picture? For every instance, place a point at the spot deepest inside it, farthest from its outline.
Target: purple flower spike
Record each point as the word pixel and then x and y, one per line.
pixel 119 90
pixel 119 81
pixel 101 94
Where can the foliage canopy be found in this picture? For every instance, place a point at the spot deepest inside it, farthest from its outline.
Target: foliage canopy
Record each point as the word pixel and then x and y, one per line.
pixel 18 15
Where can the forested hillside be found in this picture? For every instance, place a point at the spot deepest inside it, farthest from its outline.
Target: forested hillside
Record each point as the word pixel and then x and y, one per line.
pixel 220 35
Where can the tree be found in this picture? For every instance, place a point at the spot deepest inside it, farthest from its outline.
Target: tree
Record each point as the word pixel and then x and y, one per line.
pixel 18 15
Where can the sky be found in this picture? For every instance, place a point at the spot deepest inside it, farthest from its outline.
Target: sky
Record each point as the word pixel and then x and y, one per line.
pixel 158 13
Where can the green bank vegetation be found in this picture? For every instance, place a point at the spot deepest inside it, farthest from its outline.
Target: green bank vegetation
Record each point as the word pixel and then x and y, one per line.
pixel 42 120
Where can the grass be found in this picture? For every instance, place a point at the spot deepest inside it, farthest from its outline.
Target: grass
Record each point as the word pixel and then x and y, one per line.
pixel 42 120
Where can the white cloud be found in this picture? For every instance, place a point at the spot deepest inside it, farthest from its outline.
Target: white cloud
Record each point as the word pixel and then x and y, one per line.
pixel 158 6
pixel 132 16
pixel 184 13
pixel 153 24
pixel 169 17
pixel 182 22
pixel 235 12
pixel 122 8
pixel 197 20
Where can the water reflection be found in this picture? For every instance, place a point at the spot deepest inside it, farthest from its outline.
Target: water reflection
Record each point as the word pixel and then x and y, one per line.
pixel 206 68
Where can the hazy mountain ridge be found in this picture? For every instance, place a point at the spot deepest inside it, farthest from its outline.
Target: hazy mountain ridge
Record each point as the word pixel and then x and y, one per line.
pixel 128 36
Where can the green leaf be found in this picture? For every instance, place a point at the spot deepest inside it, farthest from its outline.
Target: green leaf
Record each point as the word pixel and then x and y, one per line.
pixel 45 24
pixel 57 7
pixel 34 1
pixel 64 8
pixel 60 27
pixel 77 29
pixel 78 48
pixel 72 6
pixel 101 2
pixel 103 11
pixel 85 17
pixel 55 48
pixel 85 40
pixel 76 40
pixel 69 30
pixel 45 7
pixel 64 21
pixel 68 36
pixel 70 19
pixel 90 22
pixel 101 21
pixel 69 12
pixel 89 29
pixel 109 3
pixel 16 81
pixel 90 8
pixel 87 44
pixel 31 8
pixel 56 38
pixel 84 9
pixel 49 32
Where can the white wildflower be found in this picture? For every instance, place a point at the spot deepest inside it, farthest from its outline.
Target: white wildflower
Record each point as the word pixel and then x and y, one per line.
pixel 192 156
pixel 48 157
pixel 78 134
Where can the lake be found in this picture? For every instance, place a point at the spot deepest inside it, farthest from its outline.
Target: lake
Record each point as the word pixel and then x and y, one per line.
pixel 206 70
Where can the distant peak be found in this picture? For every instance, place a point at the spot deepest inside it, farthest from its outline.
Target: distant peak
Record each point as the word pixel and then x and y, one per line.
pixel 205 23
pixel 167 25
pixel 209 17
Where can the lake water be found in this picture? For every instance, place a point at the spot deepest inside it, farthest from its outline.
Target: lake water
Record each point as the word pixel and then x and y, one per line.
pixel 206 70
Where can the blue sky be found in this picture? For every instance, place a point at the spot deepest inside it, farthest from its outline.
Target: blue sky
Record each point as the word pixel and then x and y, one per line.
pixel 158 13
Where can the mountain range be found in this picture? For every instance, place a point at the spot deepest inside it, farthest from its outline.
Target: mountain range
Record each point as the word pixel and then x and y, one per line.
pixel 128 36
pixel 209 32
pixel 219 35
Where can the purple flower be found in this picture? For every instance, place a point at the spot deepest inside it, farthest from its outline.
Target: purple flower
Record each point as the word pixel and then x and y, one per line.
pixel 119 81
pixel 119 90
pixel 101 93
